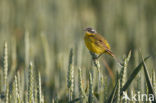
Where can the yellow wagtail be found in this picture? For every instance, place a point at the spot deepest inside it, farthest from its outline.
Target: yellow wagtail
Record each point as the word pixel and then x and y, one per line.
pixel 97 44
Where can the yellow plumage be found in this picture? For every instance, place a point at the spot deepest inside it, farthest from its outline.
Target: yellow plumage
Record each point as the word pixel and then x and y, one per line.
pixel 96 43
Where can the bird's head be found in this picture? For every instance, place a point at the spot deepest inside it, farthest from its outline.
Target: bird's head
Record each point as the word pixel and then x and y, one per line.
pixel 90 30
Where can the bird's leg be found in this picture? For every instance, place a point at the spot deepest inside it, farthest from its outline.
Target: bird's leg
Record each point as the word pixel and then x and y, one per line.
pixel 99 56
pixel 94 56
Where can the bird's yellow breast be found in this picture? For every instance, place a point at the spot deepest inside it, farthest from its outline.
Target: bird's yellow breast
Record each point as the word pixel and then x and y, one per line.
pixel 91 44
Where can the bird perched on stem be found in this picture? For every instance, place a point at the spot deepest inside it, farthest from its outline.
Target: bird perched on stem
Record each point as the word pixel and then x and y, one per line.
pixel 97 44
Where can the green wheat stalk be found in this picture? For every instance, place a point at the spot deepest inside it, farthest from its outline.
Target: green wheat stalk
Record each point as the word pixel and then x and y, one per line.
pixel 5 70
pixel 7 96
pixel 105 89
pixel 154 80
pixel 14 91
pixel 118 93
pixel 5 65
pixel 138 85
pixel 81 91
pixel 97 65
pixel 30 85
pixel 39 91
pixel 90 97
pixel 124 71
pixel 19 87
pixel 70 76
pixel 17 90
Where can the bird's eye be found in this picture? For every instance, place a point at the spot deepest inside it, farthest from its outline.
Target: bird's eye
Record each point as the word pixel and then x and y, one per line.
pixel 91 30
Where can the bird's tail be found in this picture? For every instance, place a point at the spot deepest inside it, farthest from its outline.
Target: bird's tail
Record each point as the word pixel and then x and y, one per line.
pixel 115 58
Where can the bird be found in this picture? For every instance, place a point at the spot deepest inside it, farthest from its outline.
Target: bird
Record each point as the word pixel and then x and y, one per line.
pixel 97 44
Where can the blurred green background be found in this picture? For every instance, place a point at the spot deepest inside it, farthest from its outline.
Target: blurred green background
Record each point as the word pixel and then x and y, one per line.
pixel 43 31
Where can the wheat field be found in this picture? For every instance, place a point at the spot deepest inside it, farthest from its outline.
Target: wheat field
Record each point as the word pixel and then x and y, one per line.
pixel 43 58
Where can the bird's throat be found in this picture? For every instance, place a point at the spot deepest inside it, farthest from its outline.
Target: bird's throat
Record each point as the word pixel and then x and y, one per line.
pixel 88 33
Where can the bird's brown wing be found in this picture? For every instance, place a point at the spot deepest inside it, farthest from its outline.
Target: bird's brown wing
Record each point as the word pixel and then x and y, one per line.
pixel 100 41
